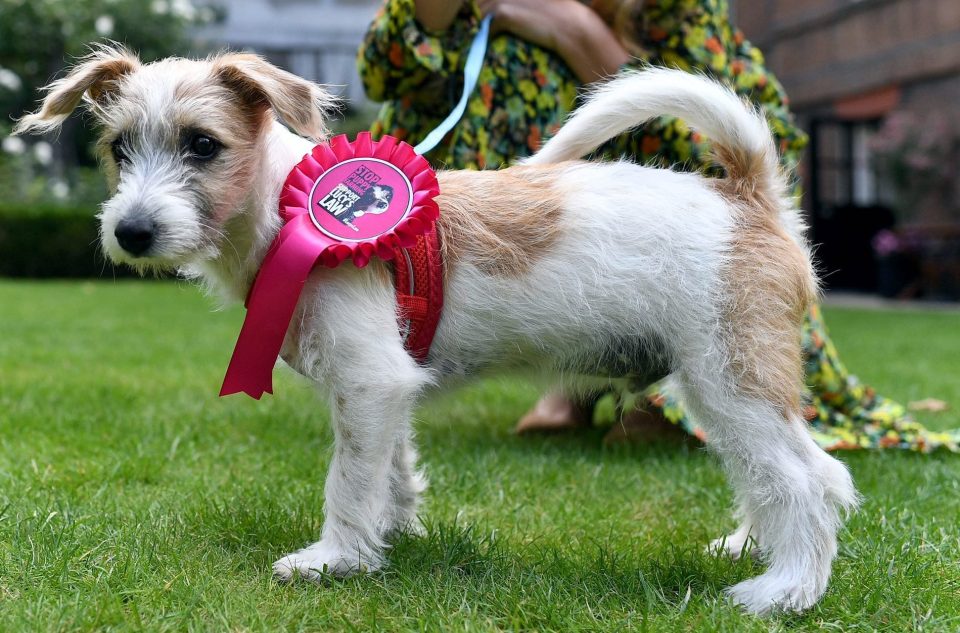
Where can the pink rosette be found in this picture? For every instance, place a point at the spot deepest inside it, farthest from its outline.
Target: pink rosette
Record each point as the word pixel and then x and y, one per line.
pixel 342 201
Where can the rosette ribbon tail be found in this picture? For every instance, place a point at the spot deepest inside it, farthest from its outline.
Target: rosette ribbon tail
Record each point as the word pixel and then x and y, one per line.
pixel 270 306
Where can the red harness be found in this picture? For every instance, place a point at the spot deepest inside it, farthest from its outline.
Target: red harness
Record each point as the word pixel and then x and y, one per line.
pixel 418 279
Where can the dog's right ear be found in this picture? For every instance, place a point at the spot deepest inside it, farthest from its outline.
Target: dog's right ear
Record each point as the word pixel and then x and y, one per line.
pixel 303 105
pixel 94 78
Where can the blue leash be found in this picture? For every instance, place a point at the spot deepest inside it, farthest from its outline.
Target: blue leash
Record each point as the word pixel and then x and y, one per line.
pixel 471 73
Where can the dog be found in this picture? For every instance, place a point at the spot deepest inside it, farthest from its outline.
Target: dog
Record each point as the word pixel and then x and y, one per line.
pixel 591 270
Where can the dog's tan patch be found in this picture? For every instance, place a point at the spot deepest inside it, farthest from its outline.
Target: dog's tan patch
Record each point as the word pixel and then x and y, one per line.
pixel 205 104
pixel 501 221
pixel 210 105
pixel 771 284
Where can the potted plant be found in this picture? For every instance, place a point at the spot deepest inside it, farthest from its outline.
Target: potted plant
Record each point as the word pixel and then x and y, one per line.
pixel 914 159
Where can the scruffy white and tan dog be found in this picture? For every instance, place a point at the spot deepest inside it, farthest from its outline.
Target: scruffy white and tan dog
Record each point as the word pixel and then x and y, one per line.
pixel 603 270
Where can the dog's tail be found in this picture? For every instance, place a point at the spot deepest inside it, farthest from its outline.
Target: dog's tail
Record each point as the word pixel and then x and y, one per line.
pixel 741 140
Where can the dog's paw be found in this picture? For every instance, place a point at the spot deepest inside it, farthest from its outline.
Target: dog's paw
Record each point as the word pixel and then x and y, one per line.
pixel 768 594
pixel 319 560
pixel 734 546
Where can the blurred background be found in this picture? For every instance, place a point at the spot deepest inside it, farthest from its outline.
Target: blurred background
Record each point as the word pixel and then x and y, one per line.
pixel 876 84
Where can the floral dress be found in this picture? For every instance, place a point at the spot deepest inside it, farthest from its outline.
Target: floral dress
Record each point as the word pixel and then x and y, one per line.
pixel 524 94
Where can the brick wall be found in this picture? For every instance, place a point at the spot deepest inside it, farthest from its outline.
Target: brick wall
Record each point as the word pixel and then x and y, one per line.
pixel 824 50
pixel 846 64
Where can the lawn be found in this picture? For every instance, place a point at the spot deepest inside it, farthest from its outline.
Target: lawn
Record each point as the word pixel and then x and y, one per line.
pixel 132 498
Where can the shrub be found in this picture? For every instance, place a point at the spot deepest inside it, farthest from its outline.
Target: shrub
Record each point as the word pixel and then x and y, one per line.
pixel 46 240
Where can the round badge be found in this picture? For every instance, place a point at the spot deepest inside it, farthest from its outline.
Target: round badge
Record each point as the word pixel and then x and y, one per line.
pixel 360 199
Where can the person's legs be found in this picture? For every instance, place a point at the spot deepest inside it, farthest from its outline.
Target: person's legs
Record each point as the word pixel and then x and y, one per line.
pixel 556 412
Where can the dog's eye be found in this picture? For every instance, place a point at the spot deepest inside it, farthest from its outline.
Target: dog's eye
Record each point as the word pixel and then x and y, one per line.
pixel 116 148
pixel 203 147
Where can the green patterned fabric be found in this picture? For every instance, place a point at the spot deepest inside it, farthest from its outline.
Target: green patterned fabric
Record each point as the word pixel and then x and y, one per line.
pixel 525 93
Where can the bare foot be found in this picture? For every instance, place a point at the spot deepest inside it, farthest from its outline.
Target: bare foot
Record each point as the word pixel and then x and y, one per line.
pixel 554 413
pixel 641 426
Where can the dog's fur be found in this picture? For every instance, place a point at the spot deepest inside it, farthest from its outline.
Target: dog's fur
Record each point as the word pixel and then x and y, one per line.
pixel 606 270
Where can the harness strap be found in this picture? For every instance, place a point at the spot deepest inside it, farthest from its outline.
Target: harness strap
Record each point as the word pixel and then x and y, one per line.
pixel 418 279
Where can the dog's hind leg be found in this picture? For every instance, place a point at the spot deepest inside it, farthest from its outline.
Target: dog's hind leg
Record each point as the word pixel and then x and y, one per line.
pixel 792 494
pixel 738 542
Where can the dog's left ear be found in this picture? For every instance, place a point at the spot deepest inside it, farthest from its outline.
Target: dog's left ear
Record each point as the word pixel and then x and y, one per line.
pixel 302 104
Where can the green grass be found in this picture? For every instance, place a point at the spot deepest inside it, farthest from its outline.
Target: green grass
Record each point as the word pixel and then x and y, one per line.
pixel 131 497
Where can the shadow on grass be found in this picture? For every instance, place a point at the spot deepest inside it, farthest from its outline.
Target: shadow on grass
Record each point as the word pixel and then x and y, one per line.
pixel 455 565
pixel 596 569
pixel 454 561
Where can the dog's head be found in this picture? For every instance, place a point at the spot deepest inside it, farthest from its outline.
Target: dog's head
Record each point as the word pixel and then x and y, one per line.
pixel 181 141
pixel 377 199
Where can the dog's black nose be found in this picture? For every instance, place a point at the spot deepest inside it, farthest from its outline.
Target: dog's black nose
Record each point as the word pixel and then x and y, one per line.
pixel 136 234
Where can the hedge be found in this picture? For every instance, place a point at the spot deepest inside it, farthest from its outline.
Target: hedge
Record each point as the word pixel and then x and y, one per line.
pixel 52 241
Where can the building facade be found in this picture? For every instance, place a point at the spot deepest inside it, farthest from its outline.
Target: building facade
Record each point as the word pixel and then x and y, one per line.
pixel 876 83
pixel 316 39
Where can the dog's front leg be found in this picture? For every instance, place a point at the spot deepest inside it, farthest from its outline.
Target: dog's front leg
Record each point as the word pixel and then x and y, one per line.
pixel 371 485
